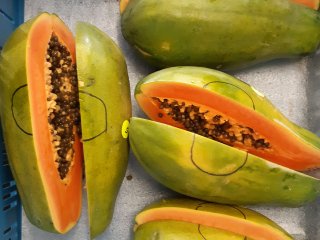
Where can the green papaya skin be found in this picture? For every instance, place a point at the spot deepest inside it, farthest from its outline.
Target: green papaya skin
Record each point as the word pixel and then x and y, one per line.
pixel 24 168
pixel 104 104
pixel 215 172
pixel 222 34
pixel 306 151
pixel 180 227
pixel 175 230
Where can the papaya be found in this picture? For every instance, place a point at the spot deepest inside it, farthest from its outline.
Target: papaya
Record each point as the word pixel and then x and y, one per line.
pixel 105 106
pixel 221 34
pixel 190 219
pixel 51 85
pixel 226 140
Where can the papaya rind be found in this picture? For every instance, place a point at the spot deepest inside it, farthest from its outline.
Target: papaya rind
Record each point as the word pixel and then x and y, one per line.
pixel 207 33
pixel 178 230
pixel 102 75
pixel 253 181
pixel 245 215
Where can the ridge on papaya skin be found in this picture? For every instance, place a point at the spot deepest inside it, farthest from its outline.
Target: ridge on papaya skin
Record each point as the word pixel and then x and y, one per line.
pixel 41 111
pixel 224 109
pixel 197 220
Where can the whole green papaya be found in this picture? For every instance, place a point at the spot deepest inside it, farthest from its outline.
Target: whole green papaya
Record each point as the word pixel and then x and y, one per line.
pixel 222 34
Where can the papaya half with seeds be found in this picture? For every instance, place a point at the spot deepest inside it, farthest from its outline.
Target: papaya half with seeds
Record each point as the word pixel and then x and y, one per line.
pixel 48 125
pixel 221 34
pixel 225 140
pixel 188 219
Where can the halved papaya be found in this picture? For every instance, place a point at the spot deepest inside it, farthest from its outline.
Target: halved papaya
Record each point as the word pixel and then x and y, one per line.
pixel 233 135
pixel 189 219
pixel 40 114
pixel 223 108
pixel 105 106
pixel 47 183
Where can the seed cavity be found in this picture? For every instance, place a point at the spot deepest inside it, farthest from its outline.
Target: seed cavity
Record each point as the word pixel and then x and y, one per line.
pixel 213 125
pixel 62 104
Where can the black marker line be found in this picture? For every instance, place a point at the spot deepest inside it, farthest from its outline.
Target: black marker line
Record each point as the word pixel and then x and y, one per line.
pixel 105 114
pixel 253 105
pixel 210 173
pixel 229 205
pixel 15 120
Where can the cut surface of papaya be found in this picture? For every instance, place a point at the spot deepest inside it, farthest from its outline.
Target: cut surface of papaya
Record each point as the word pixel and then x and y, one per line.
pixel 220 34
pixel 225 109
pixel 193 219
pixel 40 114
pixel 47 167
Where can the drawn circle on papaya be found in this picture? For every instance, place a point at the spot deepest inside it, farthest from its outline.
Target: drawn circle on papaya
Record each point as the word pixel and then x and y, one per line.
pixel 214 158
pixel 208 232
pixel 93 112
pixel 125 129
pixel 20 109
pixel 232 91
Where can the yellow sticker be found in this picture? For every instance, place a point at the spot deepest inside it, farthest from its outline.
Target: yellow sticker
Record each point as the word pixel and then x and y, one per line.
pixel 125 129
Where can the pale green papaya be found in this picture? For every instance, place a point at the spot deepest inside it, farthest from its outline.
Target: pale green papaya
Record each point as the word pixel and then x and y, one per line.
pixel 222 34
pixel 187 219
pixel 105 105
pixel 205 169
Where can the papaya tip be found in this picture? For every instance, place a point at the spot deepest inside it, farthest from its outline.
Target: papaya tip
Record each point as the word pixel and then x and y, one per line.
pixel 123 5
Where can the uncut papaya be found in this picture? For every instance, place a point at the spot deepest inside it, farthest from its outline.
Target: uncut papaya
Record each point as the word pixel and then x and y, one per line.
pixel 221 34
pixel 189 219
pixel 225 140
pixel 48 94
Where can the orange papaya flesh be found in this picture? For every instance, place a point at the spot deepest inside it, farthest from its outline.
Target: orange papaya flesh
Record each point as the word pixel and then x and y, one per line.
pixel 314 4
pixel 192 107
pixel 37 77
pixel 55 127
